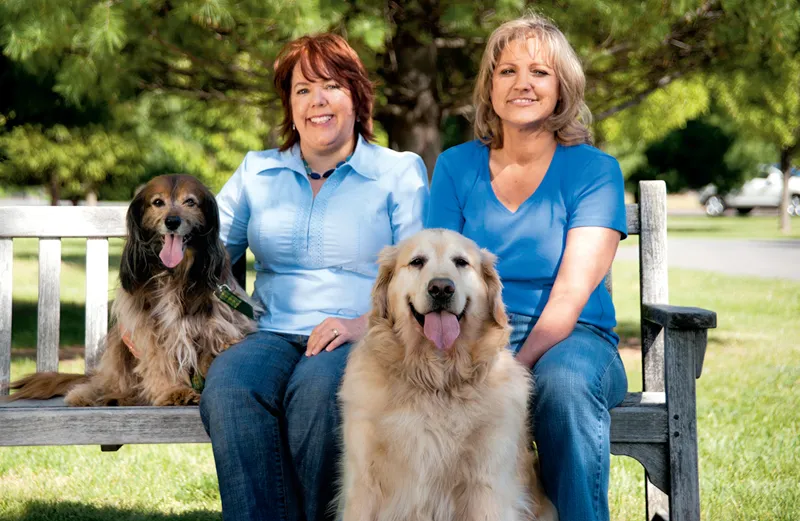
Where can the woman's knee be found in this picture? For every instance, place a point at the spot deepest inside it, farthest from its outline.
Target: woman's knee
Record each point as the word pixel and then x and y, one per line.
pixel 251 374
pixel 571 376
pixel 564 392
pixel 315 382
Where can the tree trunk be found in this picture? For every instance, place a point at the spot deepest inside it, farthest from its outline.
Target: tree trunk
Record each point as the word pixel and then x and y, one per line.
pixel 783 209
pixel 412 117
pixel 55 190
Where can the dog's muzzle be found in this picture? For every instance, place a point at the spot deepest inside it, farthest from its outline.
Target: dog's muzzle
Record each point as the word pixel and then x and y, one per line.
pixel 441 290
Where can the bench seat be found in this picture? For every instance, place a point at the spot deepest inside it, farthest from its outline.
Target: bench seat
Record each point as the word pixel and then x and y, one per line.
pixel 641 418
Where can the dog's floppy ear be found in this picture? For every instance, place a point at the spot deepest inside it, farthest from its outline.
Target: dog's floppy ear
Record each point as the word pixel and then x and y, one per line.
pixel 134 268
pixel 212 259
pixel 494 288
pixel 380 291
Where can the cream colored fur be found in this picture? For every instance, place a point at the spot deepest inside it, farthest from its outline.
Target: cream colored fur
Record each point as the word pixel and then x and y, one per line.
pixel 429 434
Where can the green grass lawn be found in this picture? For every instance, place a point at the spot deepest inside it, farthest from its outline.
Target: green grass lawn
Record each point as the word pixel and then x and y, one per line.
pixel 748 415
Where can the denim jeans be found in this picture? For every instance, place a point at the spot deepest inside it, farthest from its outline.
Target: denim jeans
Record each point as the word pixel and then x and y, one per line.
pixel 576 382
pixel 273 419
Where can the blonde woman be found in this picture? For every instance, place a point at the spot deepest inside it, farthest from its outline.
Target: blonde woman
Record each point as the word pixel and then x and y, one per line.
pixel 532 190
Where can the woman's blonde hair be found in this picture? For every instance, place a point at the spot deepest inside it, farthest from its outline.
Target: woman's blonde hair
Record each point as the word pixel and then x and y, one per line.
pixel 571 117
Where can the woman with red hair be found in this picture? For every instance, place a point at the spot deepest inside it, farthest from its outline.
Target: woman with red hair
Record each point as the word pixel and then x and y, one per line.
pixel 315 213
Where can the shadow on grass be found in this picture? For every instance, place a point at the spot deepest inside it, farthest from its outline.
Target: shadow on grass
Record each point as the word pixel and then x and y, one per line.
pixel 24 324
pixel 69 511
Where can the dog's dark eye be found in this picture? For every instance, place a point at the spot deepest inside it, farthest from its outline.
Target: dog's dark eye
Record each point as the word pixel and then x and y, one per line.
pixel 460 262
pixel 158 203
pixel 417 262
pixel 190 202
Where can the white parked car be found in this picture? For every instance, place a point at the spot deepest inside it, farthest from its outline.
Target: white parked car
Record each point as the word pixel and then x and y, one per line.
pixel 762 191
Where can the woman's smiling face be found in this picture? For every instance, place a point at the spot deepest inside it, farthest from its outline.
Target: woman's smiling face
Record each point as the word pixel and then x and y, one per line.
pixel 525 89
pixel 322 111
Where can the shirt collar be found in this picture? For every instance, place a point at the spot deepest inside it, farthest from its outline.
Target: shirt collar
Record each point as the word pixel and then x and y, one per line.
pixel 361 163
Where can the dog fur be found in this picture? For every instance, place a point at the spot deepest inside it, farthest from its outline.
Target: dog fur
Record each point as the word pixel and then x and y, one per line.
pixel 176 322
pixel 437 433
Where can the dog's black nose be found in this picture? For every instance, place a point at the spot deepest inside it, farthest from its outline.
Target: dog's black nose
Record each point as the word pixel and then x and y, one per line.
pixel 172 222
pixel 441 289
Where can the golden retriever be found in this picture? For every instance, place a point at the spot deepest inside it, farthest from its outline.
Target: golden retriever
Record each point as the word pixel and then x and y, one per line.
pixel 173 264
pixel 434 405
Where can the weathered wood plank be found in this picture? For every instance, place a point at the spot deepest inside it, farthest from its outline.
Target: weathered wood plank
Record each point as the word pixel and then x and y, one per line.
pixel 96 299
pixel 49 309
pixel 679 317
pixel 654 289
pixel 679 365
pixel 640 418
pixel 632 218
pixel 654 459
pixel 653 275
pixel 100 425
pixel 6 286
pixel 62 221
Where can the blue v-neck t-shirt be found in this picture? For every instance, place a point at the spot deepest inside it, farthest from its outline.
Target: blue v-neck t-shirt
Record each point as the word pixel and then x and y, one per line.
pixel 583 186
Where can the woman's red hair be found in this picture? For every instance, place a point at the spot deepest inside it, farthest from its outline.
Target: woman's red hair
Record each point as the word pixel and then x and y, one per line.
pixel 327 57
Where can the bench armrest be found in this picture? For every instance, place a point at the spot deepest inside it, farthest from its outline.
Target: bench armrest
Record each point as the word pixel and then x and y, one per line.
pixel 685 331
pixel 679 317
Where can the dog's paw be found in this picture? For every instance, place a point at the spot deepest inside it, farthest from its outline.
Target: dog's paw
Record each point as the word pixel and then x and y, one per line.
pixel 179 396
pixel 81 397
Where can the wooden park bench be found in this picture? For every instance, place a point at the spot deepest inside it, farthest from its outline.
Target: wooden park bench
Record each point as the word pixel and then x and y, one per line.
pixel 657 427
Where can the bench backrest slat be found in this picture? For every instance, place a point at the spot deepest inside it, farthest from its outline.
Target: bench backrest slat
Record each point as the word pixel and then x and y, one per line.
pixel 62 221
pixel 6 285
pixel 653 282
pixel 632 218
pixel 96 298
pixel 49 304
pixel 632 222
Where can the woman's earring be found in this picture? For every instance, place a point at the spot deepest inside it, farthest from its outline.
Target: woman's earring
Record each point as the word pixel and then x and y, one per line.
pixel 293 127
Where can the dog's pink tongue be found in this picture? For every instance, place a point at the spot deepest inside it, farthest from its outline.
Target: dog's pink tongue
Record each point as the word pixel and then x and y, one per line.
pixel 172 252
pixel 442 329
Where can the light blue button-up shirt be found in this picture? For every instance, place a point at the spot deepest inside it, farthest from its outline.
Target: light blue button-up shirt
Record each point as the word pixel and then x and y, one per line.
pixel 316 256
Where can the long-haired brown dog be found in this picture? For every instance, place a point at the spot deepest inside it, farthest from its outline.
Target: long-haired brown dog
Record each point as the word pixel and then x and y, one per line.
pixel 434 405
pixel 172 264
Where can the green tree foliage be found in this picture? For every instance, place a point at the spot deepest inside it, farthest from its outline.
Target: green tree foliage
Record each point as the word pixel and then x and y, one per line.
pixel 72 150
pixel 693 156
pixel 191 63
pixel 69 161
pixel 767 106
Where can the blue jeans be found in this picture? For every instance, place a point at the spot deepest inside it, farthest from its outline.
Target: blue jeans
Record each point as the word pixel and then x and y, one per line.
pixel 273 419
pixel 576 383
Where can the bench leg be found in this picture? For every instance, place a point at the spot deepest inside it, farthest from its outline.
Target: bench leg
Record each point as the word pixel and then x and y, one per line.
pixel 656 502
pixel 680 370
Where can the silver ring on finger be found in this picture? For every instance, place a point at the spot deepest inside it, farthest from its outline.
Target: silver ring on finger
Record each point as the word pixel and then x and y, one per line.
pixel 335 332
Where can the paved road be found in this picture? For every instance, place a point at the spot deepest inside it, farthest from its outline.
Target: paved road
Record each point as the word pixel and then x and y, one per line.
pixel 762 258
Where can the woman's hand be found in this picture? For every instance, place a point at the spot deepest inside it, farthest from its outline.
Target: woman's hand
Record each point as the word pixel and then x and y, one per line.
pixel 333 332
